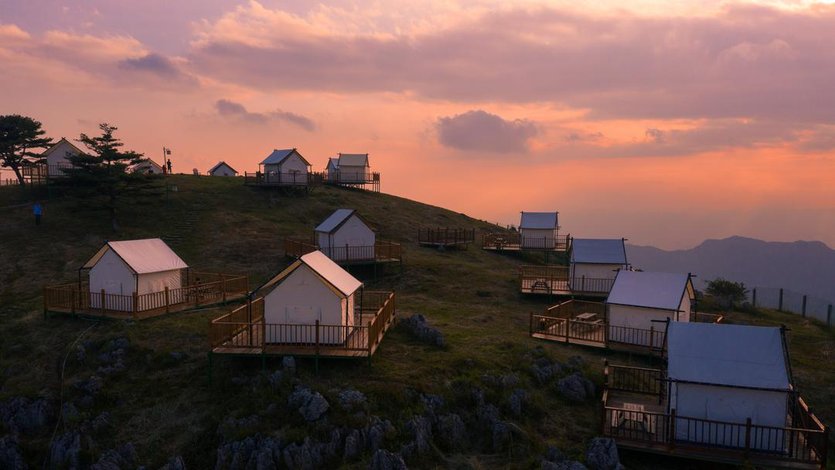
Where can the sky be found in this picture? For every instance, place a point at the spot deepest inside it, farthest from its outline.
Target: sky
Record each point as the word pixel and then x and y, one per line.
pixel 664 122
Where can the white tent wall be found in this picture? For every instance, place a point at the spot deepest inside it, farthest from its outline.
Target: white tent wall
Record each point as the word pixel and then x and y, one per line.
pixel 57 159
pixel 353 233
pixel 591 271
pixel 149 283
pixel 353 174
pixel 112 275
pixel 732 405
pixel 538 238
pixel 622 316
pixel 301 299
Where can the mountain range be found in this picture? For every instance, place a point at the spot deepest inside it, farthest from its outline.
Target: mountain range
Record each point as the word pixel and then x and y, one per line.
pixel 806 267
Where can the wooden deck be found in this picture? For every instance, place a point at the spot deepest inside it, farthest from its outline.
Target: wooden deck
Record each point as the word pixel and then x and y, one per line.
pixel 635 412
pixel 367 181
pixel 76 298
pixel 512 241
pixel 244 332
pixel 382 252
pixel 278 180
pixel 445 237
pixel 555 280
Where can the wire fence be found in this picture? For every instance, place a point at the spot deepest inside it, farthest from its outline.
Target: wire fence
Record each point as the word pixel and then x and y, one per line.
pixel 786 300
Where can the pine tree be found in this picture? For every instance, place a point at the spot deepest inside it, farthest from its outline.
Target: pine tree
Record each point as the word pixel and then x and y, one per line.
pixel 19 135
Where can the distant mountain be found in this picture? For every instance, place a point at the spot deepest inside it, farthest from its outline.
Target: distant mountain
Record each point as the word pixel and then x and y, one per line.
pixel 804 267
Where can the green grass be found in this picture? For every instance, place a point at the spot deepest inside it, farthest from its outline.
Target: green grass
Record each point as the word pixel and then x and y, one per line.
pixel 166 407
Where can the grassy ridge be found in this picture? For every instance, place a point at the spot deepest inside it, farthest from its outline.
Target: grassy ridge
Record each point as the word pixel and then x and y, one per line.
pixel 165 406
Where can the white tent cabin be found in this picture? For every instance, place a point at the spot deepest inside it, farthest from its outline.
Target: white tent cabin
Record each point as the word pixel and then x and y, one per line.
pixel 344 235
pixel 146 167
pixel 643 301
pixel 312 289
pixel 538 230
pixel 332 169
pixel 285 167
pixel 122 268
pixel 729 373
pixel 353 168
pixel 595 263
pixel 222 169
pixel 57 157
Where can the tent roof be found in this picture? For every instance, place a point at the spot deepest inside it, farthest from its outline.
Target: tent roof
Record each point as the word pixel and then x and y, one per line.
pixel 55 146
pixel 598 251
pixel 146 162
pixel 334 162
pixel 335 220
pixel 278 157
pixel 648 289
pixel 539 220
pixel 212 169
pixel 150 255
pixel 340 280
pixel 353 159
pixel 735 355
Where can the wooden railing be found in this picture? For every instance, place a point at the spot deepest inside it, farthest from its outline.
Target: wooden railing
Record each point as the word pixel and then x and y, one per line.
pixel 514 240
pixel 381 251
pixel 805 441
pixel 77 298
pixel 280 179
pixel 550 279
pixel 445 236
pixel 245 328
pixel 653 338
pixel 352 177
pixel 571 308
pixel 43 171
pixel 594 285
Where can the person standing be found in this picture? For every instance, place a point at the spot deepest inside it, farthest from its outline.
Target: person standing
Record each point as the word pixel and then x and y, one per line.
pixel 37 209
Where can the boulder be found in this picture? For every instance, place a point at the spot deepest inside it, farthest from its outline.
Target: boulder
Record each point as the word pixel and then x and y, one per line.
pixel 517 400
pixel 420 329
pixel 10 456
pixel 21 414
pixel 252 452
pixel 174 463
pixel 564 465
pixel 452 432
pixel 385 460
pixel 354 445
pixel 576 388
pixel 602 454
pixel 91 386
pixel 351 400
pixel 311 405
pixel 65 451
pixel 288 363
pixel 376 432
pixel 123 457
pixel 419 430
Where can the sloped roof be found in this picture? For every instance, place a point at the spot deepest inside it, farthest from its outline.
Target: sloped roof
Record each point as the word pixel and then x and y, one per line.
pixel 339 279
pixel 648 289
pixel 55 146
pixel 735 355
pixel 278 157
pixel 150 255
pixel 598 251
pixel 353 159
pixel 212 169
pixel 539 220
pixel 147 162
pixel 335 220
pixel 334 162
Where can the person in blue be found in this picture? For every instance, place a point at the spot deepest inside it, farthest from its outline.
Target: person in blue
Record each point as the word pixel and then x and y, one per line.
pixel 37 209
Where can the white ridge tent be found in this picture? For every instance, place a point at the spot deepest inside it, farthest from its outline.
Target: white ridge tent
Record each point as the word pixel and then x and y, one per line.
pixel 222 169
pixel 312 289
pixel 538 230
pixel 353 168
pixel 57 157
pixel 285 166
pixel 728 373
pixel 345 235
pixel 593 260
pixel 122 268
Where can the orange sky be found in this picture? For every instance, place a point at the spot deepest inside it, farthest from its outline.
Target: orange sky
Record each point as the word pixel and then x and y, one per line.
pixel 665 124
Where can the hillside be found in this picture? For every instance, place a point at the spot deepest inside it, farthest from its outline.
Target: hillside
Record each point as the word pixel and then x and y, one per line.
pixel 163 404
pixel 801 266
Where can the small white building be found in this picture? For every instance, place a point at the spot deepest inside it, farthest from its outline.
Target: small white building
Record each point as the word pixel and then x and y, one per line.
pixel 538 230
pixel 121 268
pixel 345 235
pixel 312 289
pixel 643 301
pixel 332 169
pixel 595 262
pixel 222 169
pixel 728 373
pixel 353 168
pixel 57 157
pixel 146 167
pixel 286 166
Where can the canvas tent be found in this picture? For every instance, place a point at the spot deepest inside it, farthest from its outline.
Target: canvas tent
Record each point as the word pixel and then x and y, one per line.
pixel 595 262
pixel 728 373
pixel 538 230
pixel 353 168
pixel 332 169
pixel 312 289
pixel 146 167
pixel 121 268
pixel 285 166
pixel 57 157
pixel 222 169
pixel 644 301
pixel 345 235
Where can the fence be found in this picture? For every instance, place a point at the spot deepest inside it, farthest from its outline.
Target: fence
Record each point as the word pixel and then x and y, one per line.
pixel 786 300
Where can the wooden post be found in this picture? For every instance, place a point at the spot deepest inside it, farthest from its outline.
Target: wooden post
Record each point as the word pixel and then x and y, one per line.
pixel 825 449
pixel 223 286
pixel 780 301
pixel 167 300
pixel 530 324
pixel 317 338
pixel 370 341
pixel 102 302
pixel 803 308
pixel 671 434
pixel 72 301
pixel 754 297
pixel 747 437
pixel 829 315
pixel 135 304
pixel 196 295
pixel 651 336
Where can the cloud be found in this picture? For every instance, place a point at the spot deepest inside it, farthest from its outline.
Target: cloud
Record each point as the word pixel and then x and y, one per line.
pixel 152 63
pixel 232 110
pixel 481 131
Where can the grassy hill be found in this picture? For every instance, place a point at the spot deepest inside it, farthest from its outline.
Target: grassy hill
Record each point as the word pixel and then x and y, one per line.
pixel 162 402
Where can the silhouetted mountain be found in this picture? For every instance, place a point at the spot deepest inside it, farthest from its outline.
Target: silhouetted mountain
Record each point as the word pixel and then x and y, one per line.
pixel 805 267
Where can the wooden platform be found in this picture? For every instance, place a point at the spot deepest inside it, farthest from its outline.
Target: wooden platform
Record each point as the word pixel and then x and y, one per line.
pixel 512 241
pixel 189 304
